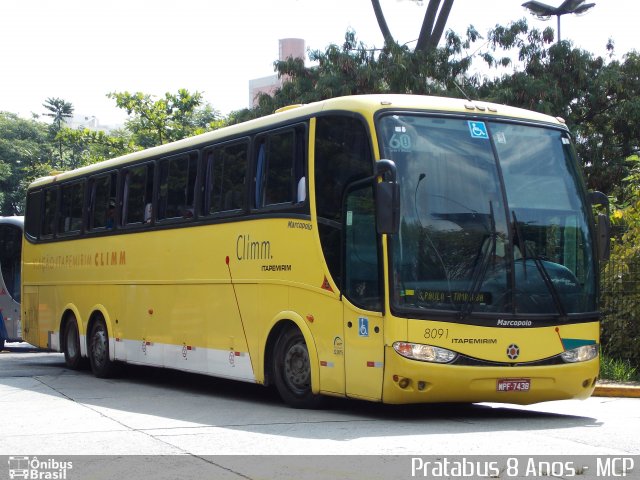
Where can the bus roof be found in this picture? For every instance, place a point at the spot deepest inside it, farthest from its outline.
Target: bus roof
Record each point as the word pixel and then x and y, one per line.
pixel 363 104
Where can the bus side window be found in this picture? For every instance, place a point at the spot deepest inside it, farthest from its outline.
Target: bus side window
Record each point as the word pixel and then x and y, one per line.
pixel 71 204
pixel 300 167
pixel 226 174
pixel 102 207
pixel 280 176
pixel 177 188
pixel 48 225
pixel 137 195
pixel 33 216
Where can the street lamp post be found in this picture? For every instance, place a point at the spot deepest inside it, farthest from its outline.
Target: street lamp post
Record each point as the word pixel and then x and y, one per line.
pixel 544 11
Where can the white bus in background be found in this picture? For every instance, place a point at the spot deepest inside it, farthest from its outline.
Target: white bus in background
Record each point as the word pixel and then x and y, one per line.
pixel 10 254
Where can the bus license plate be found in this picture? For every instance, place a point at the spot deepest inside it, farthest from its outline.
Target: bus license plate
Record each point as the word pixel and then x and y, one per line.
pixel 513 385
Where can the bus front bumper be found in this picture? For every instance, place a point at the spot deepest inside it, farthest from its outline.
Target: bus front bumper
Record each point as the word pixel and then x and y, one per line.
pixel 411 381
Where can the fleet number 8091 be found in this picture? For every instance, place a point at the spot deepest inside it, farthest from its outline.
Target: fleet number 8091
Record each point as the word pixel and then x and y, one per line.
pixel 436 333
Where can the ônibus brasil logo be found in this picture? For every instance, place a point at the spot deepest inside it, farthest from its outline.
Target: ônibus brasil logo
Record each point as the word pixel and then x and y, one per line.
pixel 33 468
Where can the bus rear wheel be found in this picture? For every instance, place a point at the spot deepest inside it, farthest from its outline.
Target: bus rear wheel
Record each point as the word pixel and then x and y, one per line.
pixel 292 370
pixel 101 364
pixel 72 355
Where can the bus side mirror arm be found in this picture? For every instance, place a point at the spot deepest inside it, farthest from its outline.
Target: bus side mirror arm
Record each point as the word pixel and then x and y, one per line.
pixel 387 198
pixel 603 225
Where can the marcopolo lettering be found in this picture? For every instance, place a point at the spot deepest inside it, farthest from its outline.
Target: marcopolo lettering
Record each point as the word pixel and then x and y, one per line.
pixel 513 323
pixel 301 225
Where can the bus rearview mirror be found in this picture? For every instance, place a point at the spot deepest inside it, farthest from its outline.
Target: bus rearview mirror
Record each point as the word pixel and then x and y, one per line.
pixel 387 198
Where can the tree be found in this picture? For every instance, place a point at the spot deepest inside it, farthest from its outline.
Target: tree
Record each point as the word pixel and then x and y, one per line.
pixel 435 19
pixel 27 146
pixel 620 287
pixel 353 68
pixel 59 110
pixel 85 146
pixel 25 153
pixel 175 116
pixel 599 99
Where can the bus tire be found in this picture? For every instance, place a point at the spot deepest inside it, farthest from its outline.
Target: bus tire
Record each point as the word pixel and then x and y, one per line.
pixel 292 370
pixel 101 365
pixel 72 356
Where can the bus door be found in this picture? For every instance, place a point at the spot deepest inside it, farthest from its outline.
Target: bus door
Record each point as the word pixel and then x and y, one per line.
pixel 363 321
pixel 10 253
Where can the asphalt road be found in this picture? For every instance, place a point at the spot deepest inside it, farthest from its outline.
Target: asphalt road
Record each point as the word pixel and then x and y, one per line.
pixel 46 409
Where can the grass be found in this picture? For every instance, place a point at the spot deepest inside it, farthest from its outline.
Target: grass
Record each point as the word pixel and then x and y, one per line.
pixel 617 370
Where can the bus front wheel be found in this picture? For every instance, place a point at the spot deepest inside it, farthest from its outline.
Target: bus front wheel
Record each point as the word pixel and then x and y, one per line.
pixel 292 370
pixel 72 356
pixel 101 365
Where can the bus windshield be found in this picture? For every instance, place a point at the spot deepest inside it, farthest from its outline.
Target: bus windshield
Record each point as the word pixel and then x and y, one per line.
pixel 493 219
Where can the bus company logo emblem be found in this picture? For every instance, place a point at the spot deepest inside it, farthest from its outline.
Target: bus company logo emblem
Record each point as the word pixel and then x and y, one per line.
pixel 513 351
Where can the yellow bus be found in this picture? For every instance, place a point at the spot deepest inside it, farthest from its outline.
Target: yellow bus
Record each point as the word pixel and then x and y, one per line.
pixel 10 254
pixel 392 248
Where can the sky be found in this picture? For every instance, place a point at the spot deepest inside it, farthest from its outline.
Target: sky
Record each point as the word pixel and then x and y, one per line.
pixel 80 51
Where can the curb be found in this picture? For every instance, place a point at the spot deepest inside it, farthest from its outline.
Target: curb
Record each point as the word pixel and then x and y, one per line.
pixel 617 390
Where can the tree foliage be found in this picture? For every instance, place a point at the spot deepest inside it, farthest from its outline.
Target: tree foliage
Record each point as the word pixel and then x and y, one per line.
pixel 25 153
pixel 59 110
pixel 30 149
pixel 621 277
pixel 598 98
pixel 155 121
pixel 85 146
pixel 353 68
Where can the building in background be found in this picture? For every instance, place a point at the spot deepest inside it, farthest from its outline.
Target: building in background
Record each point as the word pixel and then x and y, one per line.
pixel 288 47
pixel 88 121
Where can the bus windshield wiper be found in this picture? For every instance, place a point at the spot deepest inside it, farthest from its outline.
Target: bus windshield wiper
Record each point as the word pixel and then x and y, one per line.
pixel 544 273
pixel 481 269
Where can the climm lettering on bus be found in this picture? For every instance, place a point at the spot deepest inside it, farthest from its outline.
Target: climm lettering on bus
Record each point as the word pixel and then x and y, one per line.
pixel 249 249
pixel 103 259
pixel 83 260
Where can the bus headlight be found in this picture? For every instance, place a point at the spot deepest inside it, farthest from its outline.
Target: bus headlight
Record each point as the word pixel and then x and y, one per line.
pixel 580 354
pixel 424 353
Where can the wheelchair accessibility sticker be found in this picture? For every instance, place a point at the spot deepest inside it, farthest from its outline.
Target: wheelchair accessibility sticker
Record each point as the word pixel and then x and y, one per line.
pixel 478 130
pixel 363 327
